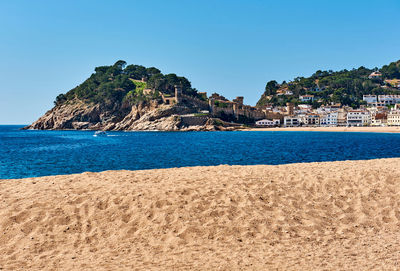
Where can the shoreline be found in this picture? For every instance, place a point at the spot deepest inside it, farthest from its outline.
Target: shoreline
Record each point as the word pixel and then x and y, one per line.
pixel 150 170
pixel 394 129
pixel 300 216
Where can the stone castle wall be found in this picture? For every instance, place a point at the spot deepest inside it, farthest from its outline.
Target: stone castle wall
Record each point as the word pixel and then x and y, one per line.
pixel 203 105
pixel 194 120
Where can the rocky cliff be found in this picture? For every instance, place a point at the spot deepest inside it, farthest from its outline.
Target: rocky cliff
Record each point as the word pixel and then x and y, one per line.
pixel 78 115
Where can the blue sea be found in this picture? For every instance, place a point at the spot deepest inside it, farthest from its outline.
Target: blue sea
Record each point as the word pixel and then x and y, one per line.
pixel 40 153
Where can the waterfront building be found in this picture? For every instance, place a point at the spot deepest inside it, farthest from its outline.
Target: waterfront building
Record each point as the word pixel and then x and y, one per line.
pixel 291 121
pixel 311 120
pixel 358 118
pixel 269 123
pixel 329 120
pixel 379 119
pixel 342 116
pixel 393 118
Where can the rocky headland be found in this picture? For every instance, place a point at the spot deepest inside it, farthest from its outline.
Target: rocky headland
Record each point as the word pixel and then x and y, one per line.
pixel 132 98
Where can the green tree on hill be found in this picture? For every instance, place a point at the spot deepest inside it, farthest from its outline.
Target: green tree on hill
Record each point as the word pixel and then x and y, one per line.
pixel 391 71
pixel 271 88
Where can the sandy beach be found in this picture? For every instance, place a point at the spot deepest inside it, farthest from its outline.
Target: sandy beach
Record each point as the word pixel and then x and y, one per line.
pixel 320 216
pixel 392 129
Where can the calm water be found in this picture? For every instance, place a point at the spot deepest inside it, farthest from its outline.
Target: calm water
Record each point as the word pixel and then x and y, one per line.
pixel 40 153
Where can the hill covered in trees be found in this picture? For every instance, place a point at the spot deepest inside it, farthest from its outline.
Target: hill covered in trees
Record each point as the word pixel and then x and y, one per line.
pixel 121 83
pixel 346 87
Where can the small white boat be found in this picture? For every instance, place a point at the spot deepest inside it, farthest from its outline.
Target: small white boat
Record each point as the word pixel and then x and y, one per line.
pixel 100 133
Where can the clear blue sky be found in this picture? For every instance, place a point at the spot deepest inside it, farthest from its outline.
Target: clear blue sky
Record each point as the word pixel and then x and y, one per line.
pixel 231 47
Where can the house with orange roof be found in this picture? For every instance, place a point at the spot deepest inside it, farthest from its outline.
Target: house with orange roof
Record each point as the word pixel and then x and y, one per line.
pixel 375 75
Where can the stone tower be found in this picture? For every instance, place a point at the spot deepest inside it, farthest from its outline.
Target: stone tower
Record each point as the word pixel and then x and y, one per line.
pixel 290 109
pixel 178 94
pixel 239 100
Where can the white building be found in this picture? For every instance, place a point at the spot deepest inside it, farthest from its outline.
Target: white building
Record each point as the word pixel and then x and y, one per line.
pixel 358 118
pixel 342 116
pixel 306 98
pixel 379 119
pixel 311 120
pixel 270 123
pixel 388 99
pixel 393 118
pixel 304 107
pixel 375 75
pixel 284 91
pixel 329 119
pixel 328 108
pixel 370 99
pixel 291 121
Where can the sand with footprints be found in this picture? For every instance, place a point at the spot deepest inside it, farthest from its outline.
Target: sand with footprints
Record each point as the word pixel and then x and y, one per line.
pixel 321 216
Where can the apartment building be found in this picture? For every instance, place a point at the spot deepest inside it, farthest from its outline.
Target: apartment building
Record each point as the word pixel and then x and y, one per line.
pixel 358 118
pixel 329 119
pixel 393 118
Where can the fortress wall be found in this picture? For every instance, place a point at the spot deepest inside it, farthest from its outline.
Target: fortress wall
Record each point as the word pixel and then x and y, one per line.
pixel 228 111
pixel 203 105
pixel 194 120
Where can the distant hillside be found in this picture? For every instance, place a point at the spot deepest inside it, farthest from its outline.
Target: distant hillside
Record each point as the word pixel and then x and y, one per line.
pixel 346 87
